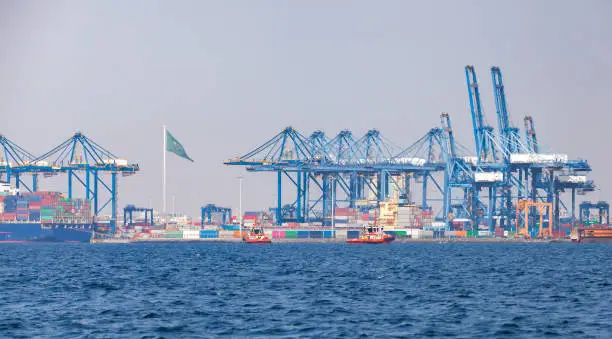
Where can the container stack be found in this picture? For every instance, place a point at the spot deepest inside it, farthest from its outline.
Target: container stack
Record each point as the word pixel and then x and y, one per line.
pixel 344 216
pixel 22 209
pixel 412 216
pixel 250 219
pixel 44 207
pixel 408 216
pixel 191 234
pixel 388 214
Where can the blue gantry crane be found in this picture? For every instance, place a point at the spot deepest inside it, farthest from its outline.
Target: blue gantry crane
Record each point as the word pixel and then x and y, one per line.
pixel 16 162
pixel 86 163
pixel 208 212
pixel 603 215
pixel 128 215
pixel 366 171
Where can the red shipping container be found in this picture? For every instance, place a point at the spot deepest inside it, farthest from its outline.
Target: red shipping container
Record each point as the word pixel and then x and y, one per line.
pixel 499 232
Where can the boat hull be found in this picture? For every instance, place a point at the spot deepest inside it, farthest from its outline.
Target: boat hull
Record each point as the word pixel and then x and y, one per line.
pixel 37 232
pixel 373 241
pixel 260 241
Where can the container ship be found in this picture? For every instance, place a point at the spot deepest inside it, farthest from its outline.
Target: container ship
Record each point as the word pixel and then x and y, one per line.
pixel 43 216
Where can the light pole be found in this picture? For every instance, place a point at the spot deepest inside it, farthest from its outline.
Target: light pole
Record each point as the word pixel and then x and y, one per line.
pixel 240 178
pixel 333 207
pixel 173 210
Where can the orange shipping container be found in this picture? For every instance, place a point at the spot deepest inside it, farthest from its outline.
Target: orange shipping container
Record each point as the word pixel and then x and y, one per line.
pixel 237 234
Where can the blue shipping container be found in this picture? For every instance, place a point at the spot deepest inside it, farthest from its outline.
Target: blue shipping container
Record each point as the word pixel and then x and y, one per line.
pixel 302 234
pixel 206 234
pixel 316 234
pixel 328 234
pixel 352 234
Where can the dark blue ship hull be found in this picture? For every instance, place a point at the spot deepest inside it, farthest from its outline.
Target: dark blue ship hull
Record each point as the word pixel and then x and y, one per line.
pixel 33 231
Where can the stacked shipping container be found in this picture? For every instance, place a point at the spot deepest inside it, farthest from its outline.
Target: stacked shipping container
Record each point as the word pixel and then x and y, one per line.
pixel 46 207
pixel 412 216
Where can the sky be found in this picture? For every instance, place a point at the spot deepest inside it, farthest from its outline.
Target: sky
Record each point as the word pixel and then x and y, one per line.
pixel 225 76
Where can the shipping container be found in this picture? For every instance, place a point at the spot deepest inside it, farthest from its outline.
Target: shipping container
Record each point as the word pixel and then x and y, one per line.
pixel 290 234
pixel 209 234
pixel 316 234
pixel 484 234
pixel 352 234
pixel 303 234
pixel 499 232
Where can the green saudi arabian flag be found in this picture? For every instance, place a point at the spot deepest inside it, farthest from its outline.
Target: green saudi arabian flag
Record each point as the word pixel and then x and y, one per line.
pixel 172 145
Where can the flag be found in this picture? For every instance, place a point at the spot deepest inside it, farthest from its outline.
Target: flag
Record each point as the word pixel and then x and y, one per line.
pixel 172 145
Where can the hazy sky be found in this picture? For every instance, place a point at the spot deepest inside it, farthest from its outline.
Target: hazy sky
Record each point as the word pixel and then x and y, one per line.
pixel 225 76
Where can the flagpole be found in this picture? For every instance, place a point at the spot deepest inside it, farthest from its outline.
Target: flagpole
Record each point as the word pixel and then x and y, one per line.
pixel 164 176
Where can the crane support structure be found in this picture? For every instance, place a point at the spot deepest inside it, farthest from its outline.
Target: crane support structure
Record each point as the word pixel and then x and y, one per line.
pixel 523 208
pixel 87 164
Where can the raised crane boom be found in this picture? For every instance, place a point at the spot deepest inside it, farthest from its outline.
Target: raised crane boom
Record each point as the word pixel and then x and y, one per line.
pixel 530 133
pixel 508 133
pixel 446 124
pixel 483 134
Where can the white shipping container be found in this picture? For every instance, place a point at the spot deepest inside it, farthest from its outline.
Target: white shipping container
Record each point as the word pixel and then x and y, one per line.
pixel 576 179
pixel 531 158
pixel 410 161
pixel 489 176
pixel 549 158
pixel 414 233
pixel 484 233
pixel 426 234
pixel 521 158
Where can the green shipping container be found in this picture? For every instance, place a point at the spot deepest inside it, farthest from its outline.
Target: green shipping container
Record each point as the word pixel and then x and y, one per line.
pixel 291 235
pixel 472 234
pixel 400 233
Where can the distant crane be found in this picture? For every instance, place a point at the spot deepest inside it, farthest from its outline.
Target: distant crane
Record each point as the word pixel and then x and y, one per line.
pixel 83 160
pixel 16 161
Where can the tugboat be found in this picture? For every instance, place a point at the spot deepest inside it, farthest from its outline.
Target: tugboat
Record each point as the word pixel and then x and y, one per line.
pixel 372 235
pixel 256 235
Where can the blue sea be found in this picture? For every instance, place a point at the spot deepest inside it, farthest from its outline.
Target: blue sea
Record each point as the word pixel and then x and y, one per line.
pixel 207 290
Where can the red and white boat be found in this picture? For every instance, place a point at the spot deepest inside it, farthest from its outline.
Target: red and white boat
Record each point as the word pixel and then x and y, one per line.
pixel 372 235
pixel 256 236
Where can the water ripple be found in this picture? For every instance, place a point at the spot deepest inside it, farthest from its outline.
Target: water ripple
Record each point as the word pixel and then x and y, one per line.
pixel 306 290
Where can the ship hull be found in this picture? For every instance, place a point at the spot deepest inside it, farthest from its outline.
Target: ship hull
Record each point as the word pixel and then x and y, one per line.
pixel 591 240
pixel 596 235
pixel 32 231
